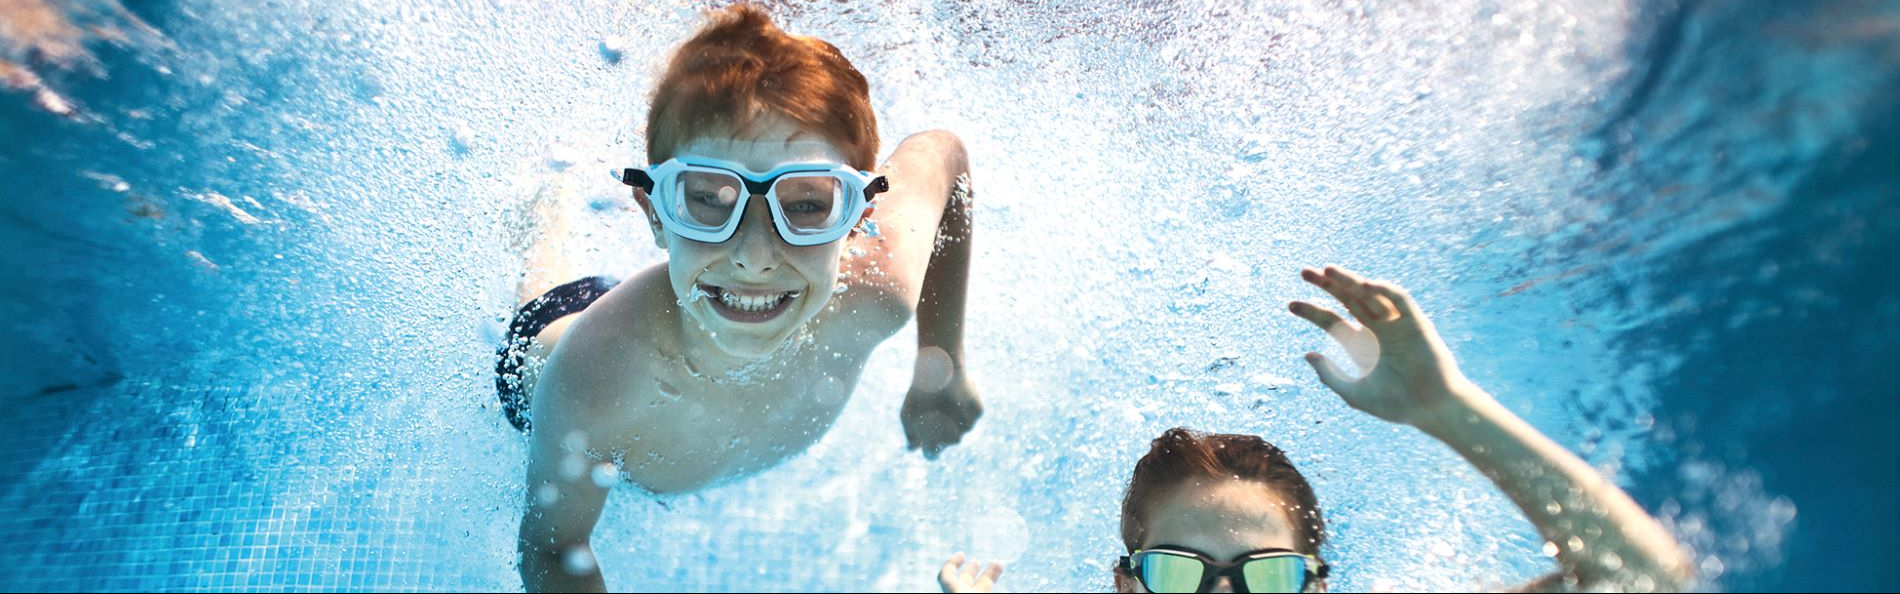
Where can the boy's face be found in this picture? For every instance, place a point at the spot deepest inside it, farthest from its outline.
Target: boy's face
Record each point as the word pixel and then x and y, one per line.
pixel 753 291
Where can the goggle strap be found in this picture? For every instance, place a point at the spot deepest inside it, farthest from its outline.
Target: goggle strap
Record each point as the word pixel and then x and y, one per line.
pixel 637 178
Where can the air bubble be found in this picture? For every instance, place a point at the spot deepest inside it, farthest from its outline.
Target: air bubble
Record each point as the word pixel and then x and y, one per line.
pixel 578 560
pixel 605 475
pixel 933 370
pixel 667 391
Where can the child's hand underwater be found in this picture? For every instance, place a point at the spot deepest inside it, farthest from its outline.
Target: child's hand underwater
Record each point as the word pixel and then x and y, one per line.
pixel 940 409
pixel 1410 377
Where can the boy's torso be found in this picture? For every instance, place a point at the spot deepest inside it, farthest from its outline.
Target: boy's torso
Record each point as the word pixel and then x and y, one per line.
pixel 673 424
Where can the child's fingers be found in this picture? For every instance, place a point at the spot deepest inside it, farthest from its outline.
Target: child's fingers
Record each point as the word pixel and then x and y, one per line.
pixel 1327 283
pixel 1378 308
pixel 1329 373
pixel 1344 287
pixel 1401 300
pixel 1352 288
pixel 987 580
pixel 947 577
pixel 1319 316
pixel 968 574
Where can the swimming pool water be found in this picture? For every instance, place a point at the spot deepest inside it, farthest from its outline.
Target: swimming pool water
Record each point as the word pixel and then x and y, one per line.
pixel 257 256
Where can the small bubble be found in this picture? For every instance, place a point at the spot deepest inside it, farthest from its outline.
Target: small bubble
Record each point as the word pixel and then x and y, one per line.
pixel 1711 568
pixel 572 466
pixel 605 475
pixel 546 495
pixel 461 140
pixel 578 560
pixel 1612 561
pixel 838 290
pixel 667 391
pixel 933 370
pixel 613 48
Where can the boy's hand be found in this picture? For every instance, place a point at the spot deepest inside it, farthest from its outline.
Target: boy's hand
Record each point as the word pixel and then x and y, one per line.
pixel 941 407
pixel 1411 377
pixel 957 576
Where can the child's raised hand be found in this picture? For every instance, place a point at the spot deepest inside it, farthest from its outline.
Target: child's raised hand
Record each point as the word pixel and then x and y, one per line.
pixel 1410 375
pixel 958 576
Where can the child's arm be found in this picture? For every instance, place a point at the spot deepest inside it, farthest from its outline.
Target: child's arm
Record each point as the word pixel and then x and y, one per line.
pixel 563 502
pixel 922 255
pixel 1603 538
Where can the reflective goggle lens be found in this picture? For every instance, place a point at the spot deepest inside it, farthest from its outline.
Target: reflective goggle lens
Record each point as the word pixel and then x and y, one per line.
pixel 1275 574
pixel 1167 573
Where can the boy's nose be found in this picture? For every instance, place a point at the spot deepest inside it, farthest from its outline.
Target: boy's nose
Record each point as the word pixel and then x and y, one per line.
pixel 1222 584
pixel 756 246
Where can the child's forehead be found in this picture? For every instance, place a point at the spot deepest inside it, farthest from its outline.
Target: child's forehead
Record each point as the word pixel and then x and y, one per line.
pixel 1223 518
pixel 765 145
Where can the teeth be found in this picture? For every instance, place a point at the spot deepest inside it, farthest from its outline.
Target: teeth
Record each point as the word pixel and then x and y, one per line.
pixel 751 303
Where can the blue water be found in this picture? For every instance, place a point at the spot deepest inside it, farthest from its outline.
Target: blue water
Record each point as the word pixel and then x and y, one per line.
pixel 256 257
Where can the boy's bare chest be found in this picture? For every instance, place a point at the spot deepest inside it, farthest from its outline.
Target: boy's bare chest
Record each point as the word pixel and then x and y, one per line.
pixel 703 428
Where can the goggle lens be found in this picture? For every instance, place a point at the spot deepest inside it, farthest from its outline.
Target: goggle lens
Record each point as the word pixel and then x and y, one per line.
pixel 1167 573
pixel 1275 574
pixel 812 203
pixel 705 198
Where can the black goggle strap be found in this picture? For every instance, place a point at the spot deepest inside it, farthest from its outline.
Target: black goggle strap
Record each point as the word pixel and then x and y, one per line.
pixel 637 178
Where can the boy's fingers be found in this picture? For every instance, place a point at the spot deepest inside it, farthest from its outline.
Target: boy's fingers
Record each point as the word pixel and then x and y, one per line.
pixel 968 574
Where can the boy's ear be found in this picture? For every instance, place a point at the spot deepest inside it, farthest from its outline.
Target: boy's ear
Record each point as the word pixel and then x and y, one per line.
pixel 653 220
pixel 1124 582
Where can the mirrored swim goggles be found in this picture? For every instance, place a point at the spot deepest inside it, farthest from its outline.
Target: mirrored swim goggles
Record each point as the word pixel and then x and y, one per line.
pixel 703 199
pixel 1177 570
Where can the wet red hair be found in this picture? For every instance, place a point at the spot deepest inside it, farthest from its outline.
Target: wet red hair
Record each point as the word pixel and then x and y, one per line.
pixel 741 66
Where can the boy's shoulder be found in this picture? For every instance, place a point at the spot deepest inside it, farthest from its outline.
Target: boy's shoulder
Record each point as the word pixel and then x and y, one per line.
pixel 612 344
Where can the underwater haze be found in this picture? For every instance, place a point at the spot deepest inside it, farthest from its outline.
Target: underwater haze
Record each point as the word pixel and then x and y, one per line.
pixel 257 257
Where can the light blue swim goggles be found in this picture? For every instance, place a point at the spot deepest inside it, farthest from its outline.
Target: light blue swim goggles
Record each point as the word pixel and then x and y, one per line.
pixel 703 199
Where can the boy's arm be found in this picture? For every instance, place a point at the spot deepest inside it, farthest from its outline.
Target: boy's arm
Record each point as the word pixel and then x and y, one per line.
pixel 1603 538
pixel 923 260
pixel 563 503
